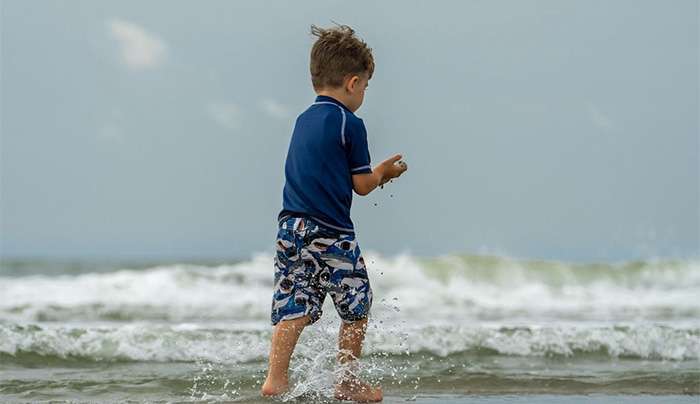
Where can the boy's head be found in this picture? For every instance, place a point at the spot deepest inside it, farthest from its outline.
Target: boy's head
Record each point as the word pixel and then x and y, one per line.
pixel 341 64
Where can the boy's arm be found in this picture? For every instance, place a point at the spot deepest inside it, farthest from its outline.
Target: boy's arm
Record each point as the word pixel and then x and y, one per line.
pixel 363 184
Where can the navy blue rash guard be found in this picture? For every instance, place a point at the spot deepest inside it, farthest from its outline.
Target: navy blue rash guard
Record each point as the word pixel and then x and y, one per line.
pixel 328 146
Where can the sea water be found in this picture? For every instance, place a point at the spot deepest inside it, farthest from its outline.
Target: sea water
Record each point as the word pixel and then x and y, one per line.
pixel 444 329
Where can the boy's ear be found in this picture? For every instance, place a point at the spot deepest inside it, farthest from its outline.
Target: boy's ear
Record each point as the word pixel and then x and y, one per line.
pixel 352 83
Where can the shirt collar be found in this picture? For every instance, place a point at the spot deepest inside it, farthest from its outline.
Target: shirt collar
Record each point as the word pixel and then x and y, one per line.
pixel 325 98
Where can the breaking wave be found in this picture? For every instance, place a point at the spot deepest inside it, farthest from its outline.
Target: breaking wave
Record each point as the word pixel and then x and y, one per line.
pixel 189 343
pixel 467 287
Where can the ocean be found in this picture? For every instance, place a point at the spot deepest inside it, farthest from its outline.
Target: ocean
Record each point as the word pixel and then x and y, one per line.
pixel 456 328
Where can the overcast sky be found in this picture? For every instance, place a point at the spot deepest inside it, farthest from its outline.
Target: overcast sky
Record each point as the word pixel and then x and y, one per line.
pixel 538 129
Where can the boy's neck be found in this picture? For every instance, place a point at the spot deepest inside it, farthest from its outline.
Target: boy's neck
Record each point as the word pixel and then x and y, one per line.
pixel 336 94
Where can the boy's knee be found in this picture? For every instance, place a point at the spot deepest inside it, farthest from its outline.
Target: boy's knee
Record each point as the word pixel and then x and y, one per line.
pixel 295 322
pixel 355 322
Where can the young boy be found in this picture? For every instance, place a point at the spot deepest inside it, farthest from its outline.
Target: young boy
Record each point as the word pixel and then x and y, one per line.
pixel 317 252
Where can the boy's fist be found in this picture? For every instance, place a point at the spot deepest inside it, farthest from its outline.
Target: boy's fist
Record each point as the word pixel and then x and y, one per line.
pixel 394 167
pixel 399 168
pixel 383 172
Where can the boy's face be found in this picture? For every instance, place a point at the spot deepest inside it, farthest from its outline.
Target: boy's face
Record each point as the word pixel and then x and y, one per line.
pixel 355 89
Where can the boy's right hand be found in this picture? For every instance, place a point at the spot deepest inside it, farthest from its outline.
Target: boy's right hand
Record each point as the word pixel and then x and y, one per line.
pixel 392 169
pixel 382 173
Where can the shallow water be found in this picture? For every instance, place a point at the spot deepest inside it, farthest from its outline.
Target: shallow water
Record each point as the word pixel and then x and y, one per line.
pixel 443 329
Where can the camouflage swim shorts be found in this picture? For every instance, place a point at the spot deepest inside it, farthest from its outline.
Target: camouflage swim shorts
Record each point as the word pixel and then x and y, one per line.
pixel 311 261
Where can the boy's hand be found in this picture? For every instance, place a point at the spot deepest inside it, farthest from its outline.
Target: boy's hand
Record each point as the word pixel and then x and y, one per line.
pixel 393 168
pixel 363 184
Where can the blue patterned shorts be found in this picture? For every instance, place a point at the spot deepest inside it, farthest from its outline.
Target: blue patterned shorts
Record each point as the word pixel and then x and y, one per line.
pixel 311 261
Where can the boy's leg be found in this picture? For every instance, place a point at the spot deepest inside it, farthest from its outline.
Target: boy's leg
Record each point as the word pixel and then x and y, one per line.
pixel 284 339
pixel 296 292
pixel 350 387
pixel 350 339
pixel 352 297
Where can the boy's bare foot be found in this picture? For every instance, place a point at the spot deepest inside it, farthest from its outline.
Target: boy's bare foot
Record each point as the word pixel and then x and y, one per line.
pixel 358 390
pixel 273 389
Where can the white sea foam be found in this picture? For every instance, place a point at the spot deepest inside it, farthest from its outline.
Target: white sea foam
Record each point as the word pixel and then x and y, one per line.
pixel 229 344
pixel 458 288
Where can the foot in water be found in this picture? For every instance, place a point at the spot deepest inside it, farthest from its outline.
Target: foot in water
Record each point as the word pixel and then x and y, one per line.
pixel 357 390
pixel 273 389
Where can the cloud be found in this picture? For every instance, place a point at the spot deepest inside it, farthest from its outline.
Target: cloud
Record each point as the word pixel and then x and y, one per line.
pixel 599 118
pixel 274 109
pixel 110 132
pixel 227 115
pixel 139 48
